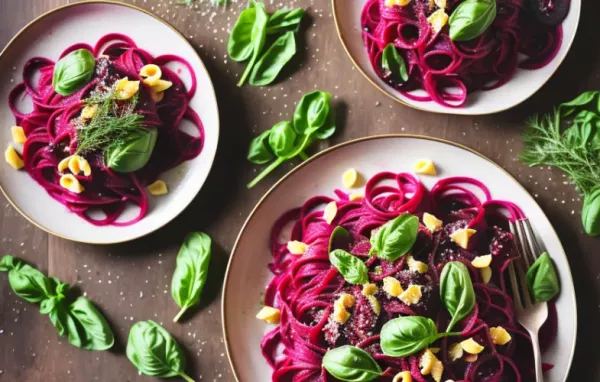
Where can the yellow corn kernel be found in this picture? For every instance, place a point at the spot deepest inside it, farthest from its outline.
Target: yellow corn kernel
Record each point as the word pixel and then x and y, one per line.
pixel 330 212
pixel 455 352
pixel 78 164
pixel 151 74
pixel 355 196
pixel 482 261
pixel 438 20
pixel 392 286
pixel 369 289
pixel 403 376
pixel 71 183
pixel 486 274
pixel 461 237
pixel 437 370
pixel 431 222
pixel 424 167
pixel 296 247
pixel 350 178
pixel 12 158
pixel 375 305
pixel 416 266
pixel 471 346
pixel 346 300
pixel 126 89
pixel 158 188
pixel 428 359
pixel 401 3
pixel 340 314
pixel 470 358
pixel 500 336
pixel 18 134
pixel 161 86
pixel 89 111
pixel 157 96
pixel 411 295
pixel 64 164
pixel 269 315
pixel 441 3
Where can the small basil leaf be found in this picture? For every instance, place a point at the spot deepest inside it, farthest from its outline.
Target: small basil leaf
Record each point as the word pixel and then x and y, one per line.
pixel 259 151
pixel 583 99
pixel 91 331
pixel 350 267
pixel 456 291
pixel 590 214
pixel 191 271
pixel 542 279
pixel 311 112
pixel 27 282
pixel 405 336
pixel 273 60
pixel 285 19
pixel 61 319
pixel 49 304
pixel 351 364
pixel 395 238
pixel 154 351
pixel 328 128
pixel 239 46
pixel 258 36
pixel 393 63
pixel 339 237
pixel 282 138
pixel 133 152
pixel 9 262
pixel 471 19
pixel 73 72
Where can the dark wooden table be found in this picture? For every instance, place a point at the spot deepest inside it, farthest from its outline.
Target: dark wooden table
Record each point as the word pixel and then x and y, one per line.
pixel 130 282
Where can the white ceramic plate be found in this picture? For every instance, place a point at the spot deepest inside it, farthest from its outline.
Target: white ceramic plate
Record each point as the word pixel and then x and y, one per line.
pixel 247 274
pixel 48 36
pixel 522 86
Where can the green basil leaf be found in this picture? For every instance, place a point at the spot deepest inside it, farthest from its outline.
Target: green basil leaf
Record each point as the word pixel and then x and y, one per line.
pixel 285 19
pixel 350 267
pixel 311 112
pixel 73 72
pixel 62 321
pixel 87 327
pixel 471 19
pixel 590 214
pixel 393 63
pixel 282 138
pixel 239 46
pixel 259 151
pixel 258 36
pixel 133 152
pixel 395 238
pixel 338 237
pixel 405 336
pixel 26 281
pixel 155 352
pixel 58 295
pixel 582 100
pixel 456 291
pixel 351 364
pixel 273 60
pixel 191 271
pixel 328 128
pixel 8 262
pixel 542 279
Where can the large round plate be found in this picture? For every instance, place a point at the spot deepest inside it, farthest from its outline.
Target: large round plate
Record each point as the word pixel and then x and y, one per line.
pixel 48 36
pixel 522 86
pixel 248 275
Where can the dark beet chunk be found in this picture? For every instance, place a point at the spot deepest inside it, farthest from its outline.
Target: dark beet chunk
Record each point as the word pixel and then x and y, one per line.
pixel 550 12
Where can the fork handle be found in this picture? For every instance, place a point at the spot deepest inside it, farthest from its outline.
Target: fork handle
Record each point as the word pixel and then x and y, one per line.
pixel 537 356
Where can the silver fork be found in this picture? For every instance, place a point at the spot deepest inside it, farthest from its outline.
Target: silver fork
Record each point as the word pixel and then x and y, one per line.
pixel 531 316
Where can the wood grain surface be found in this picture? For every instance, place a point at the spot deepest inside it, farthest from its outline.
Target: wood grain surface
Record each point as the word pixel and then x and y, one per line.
pixel 130 282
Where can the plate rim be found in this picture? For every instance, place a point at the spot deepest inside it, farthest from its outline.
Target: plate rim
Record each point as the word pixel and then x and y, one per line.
pixel 449 111
pixel 320 154
pixel 216 111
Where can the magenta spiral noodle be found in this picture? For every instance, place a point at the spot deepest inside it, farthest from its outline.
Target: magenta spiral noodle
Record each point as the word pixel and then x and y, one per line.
pixel 51 136
pixel 305 287
pixel 437 64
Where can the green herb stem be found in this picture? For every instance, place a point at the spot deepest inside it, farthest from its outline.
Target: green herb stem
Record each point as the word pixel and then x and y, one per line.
pixel 266 172
pixel 185 376
pixel 303 155
pixel 181 313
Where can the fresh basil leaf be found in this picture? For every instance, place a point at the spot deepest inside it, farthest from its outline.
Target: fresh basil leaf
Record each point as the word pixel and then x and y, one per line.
pixel 456 291
pixel 155 352
pixel 26 281
pixel 258 36
pixel 285 19
pixel 133 152
pixel 395 238
pixel 282 138
pixel 191 271
pixel 60 318
pixel 542 279
pixel 471 19
pixel 393 63
pixel 590 213
pixel 89 329
pixel 239 46
pixel 259 151
pixel 405 336
pixel 8 262
pixel 58 295
pixel 338 237
pixel 350 267
pixel 328 128
pixel 351 364
pixel 273 60
pixel 311 112
pixel 584 99
pixel 73 72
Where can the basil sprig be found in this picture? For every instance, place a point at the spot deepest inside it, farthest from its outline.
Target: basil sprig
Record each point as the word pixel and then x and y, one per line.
pixel 456 291
pixel 351 364
pixel 542 279
pixel 471 19
pixel 350 267
pixel 73 72
pixel 84 326
pixel 393 63
pixel 395 238
pixel 404 336
pixel 273 60
pixel 191 271
pixel 590 214
pixel 133 152
pixel 155 352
